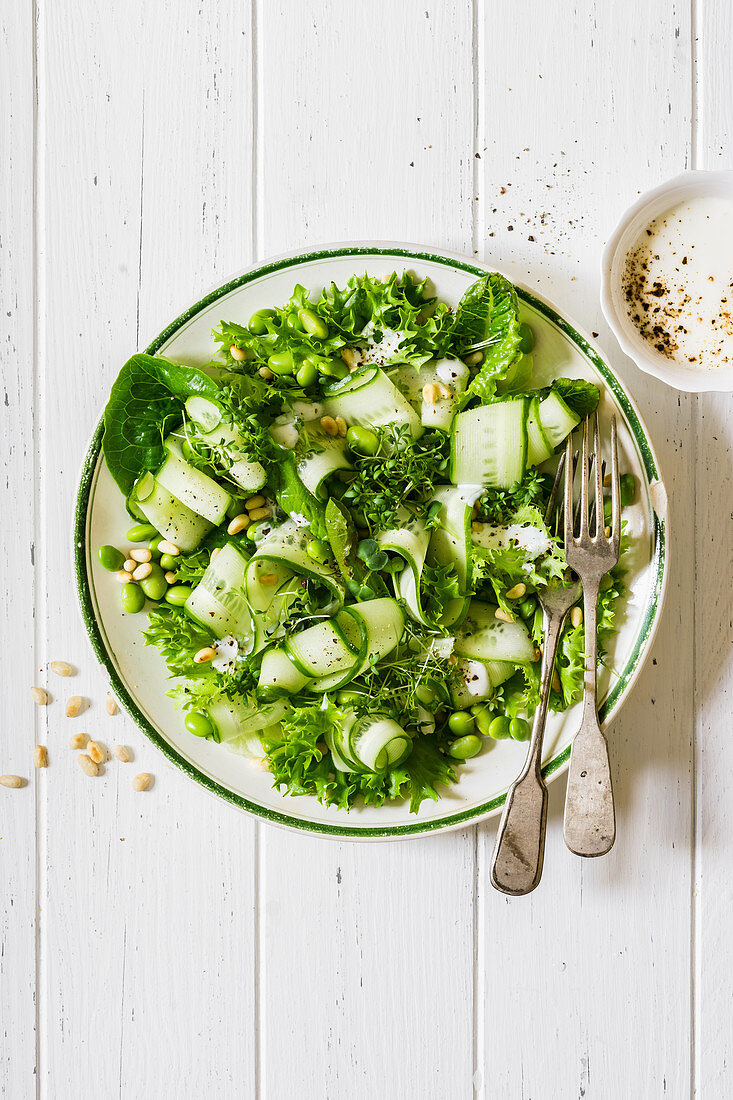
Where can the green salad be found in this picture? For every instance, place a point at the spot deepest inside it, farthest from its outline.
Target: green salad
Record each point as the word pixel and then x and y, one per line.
pixel 339 533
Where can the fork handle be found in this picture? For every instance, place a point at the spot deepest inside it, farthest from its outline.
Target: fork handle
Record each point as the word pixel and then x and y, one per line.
pixel 590 816
pixel 519 852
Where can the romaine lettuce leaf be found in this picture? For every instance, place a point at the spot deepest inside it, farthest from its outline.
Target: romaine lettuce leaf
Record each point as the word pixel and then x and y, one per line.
pixel 488 315
pixel 145 403
pixel 579 395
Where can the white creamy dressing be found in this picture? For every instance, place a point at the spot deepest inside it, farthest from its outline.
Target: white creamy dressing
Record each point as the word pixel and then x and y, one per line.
pixel 532 540
pixel 227 650
pixel 678 283
pixel 382 351
pixel 452 371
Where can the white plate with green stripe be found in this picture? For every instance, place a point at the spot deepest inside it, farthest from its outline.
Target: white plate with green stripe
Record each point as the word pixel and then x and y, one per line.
pixel 138 674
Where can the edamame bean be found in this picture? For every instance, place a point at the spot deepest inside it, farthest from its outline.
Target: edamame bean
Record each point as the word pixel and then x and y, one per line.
pixel 334 368
pixel 362 440
pixel 154 546
pixel 628 489
pixel 528 607
pixel 154 585
pixel 176 595
pixel 313 324
pixel 281 362
pixel 167 561
pixel 348 698
pixel 111 558
pixel 461 723
pixel 426 696
pixel 197 723
pixel 519 729
pixel 187 450
pixel 319 551
pixel 465 747
pixel 306 374
pixel 258 321
pixel 482 717
pixel 132 598
pixel 526 338
pixel 499 728
pixel 141 532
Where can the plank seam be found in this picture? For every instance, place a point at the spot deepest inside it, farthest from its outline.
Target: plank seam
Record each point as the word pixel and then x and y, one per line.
pixel 694 809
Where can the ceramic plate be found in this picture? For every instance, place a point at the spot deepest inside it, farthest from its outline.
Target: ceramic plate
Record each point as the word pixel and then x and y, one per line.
pixel 138 674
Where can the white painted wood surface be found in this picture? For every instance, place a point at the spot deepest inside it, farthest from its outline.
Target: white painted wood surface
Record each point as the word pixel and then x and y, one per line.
pixel 162 944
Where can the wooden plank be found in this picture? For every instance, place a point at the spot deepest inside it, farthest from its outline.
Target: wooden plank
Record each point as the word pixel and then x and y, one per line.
pixel 367 949
pixel 18 669
pixel 713 986
pixel 574 121
pixel 150 898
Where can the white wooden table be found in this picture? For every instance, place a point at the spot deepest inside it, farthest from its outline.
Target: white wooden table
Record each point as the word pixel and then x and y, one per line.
pixel 163 945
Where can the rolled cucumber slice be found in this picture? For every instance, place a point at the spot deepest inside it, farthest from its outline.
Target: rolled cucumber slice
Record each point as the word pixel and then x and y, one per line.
pixel 369 397
pixel 489 444
pixel 483 637
pixel 321 650
pixel 378 742
pixel 174 520
pixel 329 455
pixel 219 600
pixel 450 541
pixel 285 548
pixel 192 487
pixel 557 419
pixel 453 375
pixel 239 725
pixel 539 447
pixel 410 540
pixel 278 675
pixel 228 445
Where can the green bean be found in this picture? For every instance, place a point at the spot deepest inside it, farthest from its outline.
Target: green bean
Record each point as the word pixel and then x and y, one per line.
pixel 198 723
pixel 519 729
pixel 362 440
pixel 461 723
pixel 465 747
pixel 526 338
pixel 177 594
pixel 141 532
pixel 313 324
pixel 499 728
pixel 111 558
pixel 132 598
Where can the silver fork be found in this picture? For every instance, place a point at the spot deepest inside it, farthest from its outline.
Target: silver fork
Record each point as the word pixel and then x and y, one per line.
pixel 516 866
pixel 590 819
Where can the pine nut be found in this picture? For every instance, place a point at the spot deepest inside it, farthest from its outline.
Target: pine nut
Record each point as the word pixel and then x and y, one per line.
pixel 556 685
pixel 171 577
pixel 110 704
pixel 607 532
pixel 78 741
pixel 266 373
pixel 239 523
pixel 14 781
pixel 122 753
pixel 352 358
pixel 96 752
pixel 87 764
pixel 430 393
pixel 142 781
pixel 40 756
pixel 474 359
pixel 329 425
pixel 237 354
pixel 259 513
pixel 206 654
pixel 140 555
pixel 73 706
pixel 142 571
pixel 517 591
pixel 503 616
pixel 214 552
pixel 537 653
pixel 254 502
pixel 62 668
pixel 166 547
pixel 444 391
pixel 129 566
pixel 576 616
pixel 268 579
pixel 476 526
pixel 123 577
pixel 40 696
pixel 341 425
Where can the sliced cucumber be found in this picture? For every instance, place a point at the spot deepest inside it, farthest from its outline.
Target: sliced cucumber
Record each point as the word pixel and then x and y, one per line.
pixel 240 725
pixel 321 650
pixel 285 548
pixel 557 419
pixel 539 447
pixel 329 455
pixel 410 540
pixel 378 742
pixel 450 542
pixel 369 397
pixel 381 622
pixel 489 444
pixel 219 600
pixel 192 487
pixel 451 375
pixel 228 445
pixel 483 637
pixel 278 675
pixel 473 683
pixel 205 414
pixel 172 519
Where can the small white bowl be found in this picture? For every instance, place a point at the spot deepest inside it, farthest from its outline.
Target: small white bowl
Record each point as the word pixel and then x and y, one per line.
pixel 628 231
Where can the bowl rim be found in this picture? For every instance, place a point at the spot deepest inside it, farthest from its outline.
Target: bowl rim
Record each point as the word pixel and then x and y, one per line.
pixel 651 362
pixel 659 562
